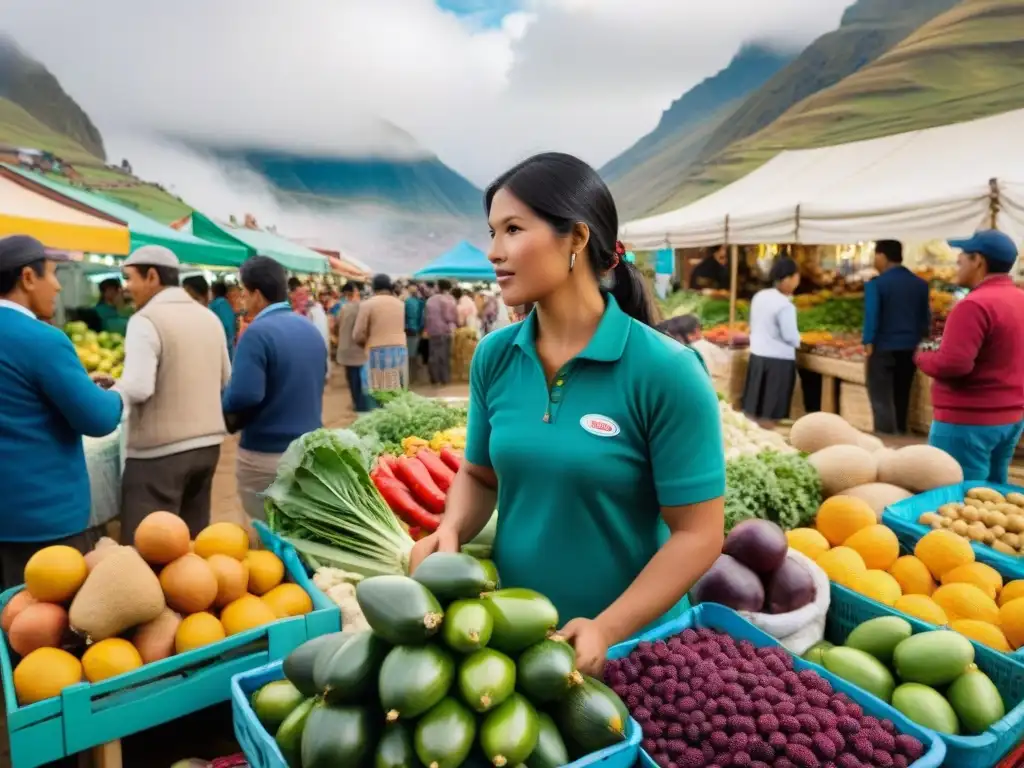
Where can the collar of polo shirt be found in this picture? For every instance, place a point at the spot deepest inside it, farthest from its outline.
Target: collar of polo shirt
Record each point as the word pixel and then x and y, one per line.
pixel 607 344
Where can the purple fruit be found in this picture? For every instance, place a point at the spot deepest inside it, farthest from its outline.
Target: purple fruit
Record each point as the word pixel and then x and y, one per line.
pixel 909 746
pixel 823 746
pixel 802 756
pixel 881 759
pixel 730 583
pixel 760 545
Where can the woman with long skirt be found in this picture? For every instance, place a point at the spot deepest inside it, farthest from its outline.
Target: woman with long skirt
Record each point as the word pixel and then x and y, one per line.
pixel 774 340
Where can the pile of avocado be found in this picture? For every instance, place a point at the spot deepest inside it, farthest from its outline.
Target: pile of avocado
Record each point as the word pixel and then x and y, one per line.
pixel 453 672
pixel 940 687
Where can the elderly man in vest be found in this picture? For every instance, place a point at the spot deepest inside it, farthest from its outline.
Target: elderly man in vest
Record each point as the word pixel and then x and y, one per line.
pixel 176 364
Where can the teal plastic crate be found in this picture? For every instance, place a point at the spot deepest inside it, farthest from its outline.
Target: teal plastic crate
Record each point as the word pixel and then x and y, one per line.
pixel 261 749
pixel 86 715
pixel 902 517
pixel 848 609
pixel 722 619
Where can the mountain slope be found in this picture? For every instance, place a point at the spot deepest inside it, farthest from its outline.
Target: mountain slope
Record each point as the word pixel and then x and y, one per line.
pixel 684 128
pixel 962 65
pixel 29 84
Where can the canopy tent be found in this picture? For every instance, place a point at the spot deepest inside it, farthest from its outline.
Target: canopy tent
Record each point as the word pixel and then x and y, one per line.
pixel 463 262
pixel 144 230
pixel 289 254
pixel 56 221
pixel 937 183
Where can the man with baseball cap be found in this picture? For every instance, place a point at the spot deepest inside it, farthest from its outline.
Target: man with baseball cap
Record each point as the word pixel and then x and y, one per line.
pixel 47 403
pixel 176 364
pixel 978 370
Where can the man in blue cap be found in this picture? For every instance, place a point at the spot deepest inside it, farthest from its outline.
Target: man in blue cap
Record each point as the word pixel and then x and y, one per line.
pixel 978 370
pixel 47 403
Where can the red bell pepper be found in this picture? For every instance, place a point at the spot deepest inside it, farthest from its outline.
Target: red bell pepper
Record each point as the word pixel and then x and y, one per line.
pixel 402 503
pixel 418 480
pixel 439 471
pixel 451 459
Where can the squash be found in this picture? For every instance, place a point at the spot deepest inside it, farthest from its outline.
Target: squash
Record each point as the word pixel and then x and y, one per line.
pixel 509 734
pixel 592 716
pixel 550 751
pixel 299 664
pixel 336 736
pixel 399 609
pixel 121 592
pixel 452 576
pixel 444 736
pixel 486 678
pixel 842 467
pixel 521 617
pixel 467 626
pixel 919 468
pixel 289 733
pixel 815 431
pixel 395 749
pixel 413 679
pixel 351 670
pixel 878 495
pixel 546 671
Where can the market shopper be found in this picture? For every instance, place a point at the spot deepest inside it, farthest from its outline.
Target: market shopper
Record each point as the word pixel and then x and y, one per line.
pixel 110 309
pixel 277 385
pixel 712 273
pixel 380 328
pixel 48 403
pixel 198 288
pixel 598 438
pixel 774 340
pixel 440 320
pixel 176 364
pixel 978 370
pixel 896 319
pixel 223 306
pixel 352 355
pixel 415 305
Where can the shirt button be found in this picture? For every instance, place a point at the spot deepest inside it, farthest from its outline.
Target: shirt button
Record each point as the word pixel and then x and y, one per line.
pixel 559 383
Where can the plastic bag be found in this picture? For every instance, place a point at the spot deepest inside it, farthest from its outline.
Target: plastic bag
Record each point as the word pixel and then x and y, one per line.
pixel 800 629
pixel 104 461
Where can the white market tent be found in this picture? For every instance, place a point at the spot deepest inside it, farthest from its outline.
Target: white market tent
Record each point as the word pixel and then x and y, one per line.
pixel 930 184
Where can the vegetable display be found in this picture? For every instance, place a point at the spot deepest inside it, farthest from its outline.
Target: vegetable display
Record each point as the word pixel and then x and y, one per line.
pixel 446 676
pixel 985 517
pixel 718 701
pixel 781 487
pixel 408 415
pixel 930 677
pixel 94 617
pixel 743 436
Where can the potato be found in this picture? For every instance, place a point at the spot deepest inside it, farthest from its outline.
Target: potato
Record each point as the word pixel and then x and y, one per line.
pixel 985 494
pixel 945 522
pixel 1000 546
pixel 928 518
pixel 1015 523
pixel 1011 539
pixel 993 518
pixel 1008 509
pixel 970 514
pixel 1016 498
pixel 977 531
pixel 989 537
pixel 959 527
pixel 997 531
pixel 952 511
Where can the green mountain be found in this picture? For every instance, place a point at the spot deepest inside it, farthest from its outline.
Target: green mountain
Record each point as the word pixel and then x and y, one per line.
pixel 961 65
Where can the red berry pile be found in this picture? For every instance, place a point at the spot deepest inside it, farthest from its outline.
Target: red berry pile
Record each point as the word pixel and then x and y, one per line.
pixel 705 700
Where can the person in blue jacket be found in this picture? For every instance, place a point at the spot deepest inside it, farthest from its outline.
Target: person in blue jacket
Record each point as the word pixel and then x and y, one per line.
pixel 47 404
pixel 598 437
pixel 224 309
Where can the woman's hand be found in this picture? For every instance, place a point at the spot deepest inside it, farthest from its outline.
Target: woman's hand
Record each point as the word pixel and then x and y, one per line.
pixel 441 540
pixel 590 643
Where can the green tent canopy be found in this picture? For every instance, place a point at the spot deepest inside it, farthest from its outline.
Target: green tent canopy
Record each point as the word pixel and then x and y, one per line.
pixel 290 255
pixel 189 248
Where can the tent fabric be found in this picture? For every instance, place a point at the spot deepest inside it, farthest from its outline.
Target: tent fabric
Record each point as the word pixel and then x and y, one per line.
pixel 463 262
pixel 146 231
pixel 57 222
pixel 919 185
pixel 289 254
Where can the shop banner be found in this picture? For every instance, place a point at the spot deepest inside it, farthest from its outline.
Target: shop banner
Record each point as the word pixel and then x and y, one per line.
pixel 664 261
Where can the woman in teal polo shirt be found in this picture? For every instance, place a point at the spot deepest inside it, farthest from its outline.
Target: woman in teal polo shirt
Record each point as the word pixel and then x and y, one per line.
pixel 596 436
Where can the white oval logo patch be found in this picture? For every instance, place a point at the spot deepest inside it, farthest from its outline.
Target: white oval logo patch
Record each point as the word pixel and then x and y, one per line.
pixel 599 425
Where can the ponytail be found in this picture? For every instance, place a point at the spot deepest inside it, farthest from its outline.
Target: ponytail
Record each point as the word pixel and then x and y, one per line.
pixel 630 291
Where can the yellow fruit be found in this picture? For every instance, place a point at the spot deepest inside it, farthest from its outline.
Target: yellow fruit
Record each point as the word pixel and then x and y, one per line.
pixel 842 516
pixel 265 571
pixel 1011 620
pixel 842 565
pixel 943 551
pixel 247 612
pixel 878 546
pixel 222 539
pixel 807 541
pixel 966 601
pixel 197 630
pixel 44 673
pixel 878 585
pixel 54 574
pixel 288 600
pixel 984 577
pixel 110 658
pixel 983 632
pixel 913 576
pixel 1011 591
pixel 923 608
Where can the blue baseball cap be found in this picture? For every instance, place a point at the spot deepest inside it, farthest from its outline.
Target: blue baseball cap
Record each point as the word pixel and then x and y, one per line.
pixel 990 243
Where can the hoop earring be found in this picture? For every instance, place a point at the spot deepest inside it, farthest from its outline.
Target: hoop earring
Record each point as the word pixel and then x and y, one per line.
pixel 572 261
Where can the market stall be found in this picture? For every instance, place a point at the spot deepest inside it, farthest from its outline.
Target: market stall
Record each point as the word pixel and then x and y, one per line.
pixel 463 262
pixel 254 241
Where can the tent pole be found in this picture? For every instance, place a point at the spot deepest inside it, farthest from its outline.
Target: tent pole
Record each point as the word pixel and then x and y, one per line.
pixel 734 264
pixel 993 203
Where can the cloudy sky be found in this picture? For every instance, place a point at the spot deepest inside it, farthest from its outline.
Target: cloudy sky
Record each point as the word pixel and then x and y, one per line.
pixel 482 83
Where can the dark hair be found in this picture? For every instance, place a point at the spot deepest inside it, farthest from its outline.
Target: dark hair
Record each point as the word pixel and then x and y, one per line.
pixel 220 289
pixel 10 278
pixel 456 293
pixel 198 285
pixel 381 282
pixel 994 267
pixel 293 283
pixel 352 287
pixel 781 269
pixel 167 276
pixel 565 191
pixel 891 249
pixel 444 285
pixel 681 327
pixel 110 282
pixel 263 274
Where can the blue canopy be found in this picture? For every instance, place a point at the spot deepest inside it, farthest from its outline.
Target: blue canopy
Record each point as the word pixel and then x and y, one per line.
pixel 463 262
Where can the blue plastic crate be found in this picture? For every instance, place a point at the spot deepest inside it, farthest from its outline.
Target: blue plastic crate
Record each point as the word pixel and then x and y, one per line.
pixel 261 749
pixel 722 619
pixel 849 609
pixel 86 715
pixel 902 517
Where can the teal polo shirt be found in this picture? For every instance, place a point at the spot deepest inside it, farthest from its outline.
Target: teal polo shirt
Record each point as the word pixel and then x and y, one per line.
pixel 584 465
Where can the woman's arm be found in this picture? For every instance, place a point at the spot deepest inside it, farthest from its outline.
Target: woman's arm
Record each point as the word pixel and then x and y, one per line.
pixel 787 326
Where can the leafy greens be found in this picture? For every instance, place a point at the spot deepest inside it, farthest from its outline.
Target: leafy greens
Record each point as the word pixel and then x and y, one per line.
pixel 781 487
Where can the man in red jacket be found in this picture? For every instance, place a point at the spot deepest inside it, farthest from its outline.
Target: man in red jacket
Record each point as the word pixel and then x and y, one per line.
pixel 978 370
